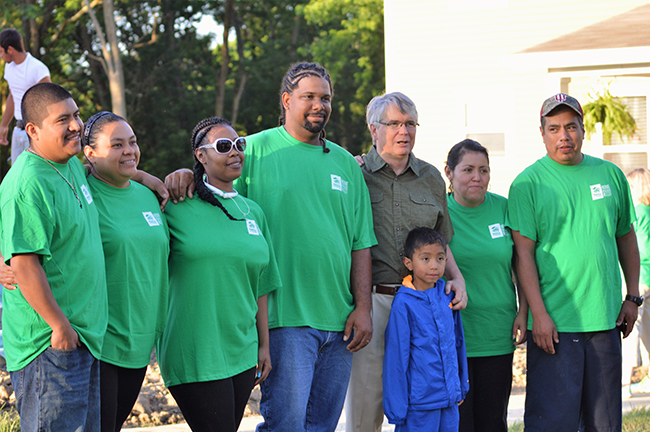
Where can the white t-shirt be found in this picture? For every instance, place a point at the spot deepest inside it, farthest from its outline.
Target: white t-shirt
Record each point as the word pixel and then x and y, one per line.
pixel 23 76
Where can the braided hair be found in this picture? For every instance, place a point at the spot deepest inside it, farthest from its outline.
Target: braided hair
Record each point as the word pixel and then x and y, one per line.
pixel 199 134
pixel 290 82
pixel 95 125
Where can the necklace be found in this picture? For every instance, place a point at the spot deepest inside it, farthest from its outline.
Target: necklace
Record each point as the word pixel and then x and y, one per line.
pixel 226 195
pixel 249 208
pixel 72 185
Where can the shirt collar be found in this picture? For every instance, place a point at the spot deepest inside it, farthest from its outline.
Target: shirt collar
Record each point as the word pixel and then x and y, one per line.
pixel 374 162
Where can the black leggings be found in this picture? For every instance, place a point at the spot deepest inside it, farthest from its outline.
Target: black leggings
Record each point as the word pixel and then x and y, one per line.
pixel 486 405
pixel 215 406
pixel 119 389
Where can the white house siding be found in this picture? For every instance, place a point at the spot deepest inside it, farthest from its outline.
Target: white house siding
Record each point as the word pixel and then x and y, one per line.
pixel 459 62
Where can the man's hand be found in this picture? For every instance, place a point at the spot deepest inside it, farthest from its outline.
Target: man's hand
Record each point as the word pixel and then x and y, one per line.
pixel 361 322
pixel 7 276
pixel 519 328
pixel 458 287
pixel 179 183
pixel 628 315
pixel 360 160
pixel 65 338
pixel 545 333
pixel 4 130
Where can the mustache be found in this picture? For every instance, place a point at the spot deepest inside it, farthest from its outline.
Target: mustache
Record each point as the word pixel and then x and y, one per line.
pixel 322 112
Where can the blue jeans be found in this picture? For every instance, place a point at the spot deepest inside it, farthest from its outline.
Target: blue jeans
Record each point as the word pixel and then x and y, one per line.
pixel 59 391
pixel 306 388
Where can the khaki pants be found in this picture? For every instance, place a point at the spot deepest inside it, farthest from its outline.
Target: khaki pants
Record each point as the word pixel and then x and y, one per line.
pixel 363 404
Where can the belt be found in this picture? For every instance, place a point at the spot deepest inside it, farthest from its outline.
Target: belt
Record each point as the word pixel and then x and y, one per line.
pixel 20 124
pixel 386 289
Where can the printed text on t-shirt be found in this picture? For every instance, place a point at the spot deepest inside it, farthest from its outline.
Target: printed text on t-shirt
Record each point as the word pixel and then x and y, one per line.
pixel 599 191
pixel 339 184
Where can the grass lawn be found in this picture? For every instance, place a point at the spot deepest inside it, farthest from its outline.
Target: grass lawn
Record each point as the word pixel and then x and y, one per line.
pixel 636 420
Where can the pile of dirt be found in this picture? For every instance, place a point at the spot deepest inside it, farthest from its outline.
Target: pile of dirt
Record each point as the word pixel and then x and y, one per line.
pixel 156 406
pixel 519 371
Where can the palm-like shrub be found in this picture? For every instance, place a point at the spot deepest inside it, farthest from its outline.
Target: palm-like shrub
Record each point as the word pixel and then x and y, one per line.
pixel 612 114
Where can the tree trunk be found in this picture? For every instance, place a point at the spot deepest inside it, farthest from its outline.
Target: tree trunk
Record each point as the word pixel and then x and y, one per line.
pixel 112 61
pixel 95 67
pixel 243 73
pixel 116 75
pixel 225 60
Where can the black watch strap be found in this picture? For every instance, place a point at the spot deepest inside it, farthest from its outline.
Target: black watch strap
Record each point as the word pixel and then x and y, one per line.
pixel 634 299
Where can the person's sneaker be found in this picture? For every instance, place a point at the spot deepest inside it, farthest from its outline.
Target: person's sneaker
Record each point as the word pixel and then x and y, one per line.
pixel 626 391
pixel 642 386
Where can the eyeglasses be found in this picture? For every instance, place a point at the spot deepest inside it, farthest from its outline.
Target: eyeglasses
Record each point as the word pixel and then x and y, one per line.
pixel 225 145
pixel 398 124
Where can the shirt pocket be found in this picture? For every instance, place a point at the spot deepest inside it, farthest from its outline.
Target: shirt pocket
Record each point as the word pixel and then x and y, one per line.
pixel 424 211
pixel 378 201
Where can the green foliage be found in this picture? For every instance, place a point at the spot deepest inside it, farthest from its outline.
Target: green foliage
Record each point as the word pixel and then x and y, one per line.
pixel 350 43
pixel 171 72
pixel 637 420
pixel 612 114
pixel 9 420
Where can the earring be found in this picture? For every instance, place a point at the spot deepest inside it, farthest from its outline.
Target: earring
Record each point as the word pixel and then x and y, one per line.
pixel 205 177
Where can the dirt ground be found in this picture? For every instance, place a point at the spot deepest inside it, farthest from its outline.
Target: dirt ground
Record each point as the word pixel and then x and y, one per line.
pixel 156 406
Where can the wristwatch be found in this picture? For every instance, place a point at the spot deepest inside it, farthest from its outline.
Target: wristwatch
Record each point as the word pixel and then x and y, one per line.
pixel 634 299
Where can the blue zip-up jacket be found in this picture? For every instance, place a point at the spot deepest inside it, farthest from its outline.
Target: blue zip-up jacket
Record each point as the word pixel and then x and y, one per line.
pixel 425 363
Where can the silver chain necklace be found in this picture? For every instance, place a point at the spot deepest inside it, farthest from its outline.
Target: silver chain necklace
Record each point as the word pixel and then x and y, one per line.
pixel 72 185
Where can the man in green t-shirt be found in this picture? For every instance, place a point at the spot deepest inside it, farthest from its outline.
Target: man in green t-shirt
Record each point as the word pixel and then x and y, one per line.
pixel 317 206
pixel 570 216
pixel 55 321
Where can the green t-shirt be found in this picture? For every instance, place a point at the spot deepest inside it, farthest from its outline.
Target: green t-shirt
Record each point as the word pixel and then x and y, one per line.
pixel 319 212
pixel 574 214
pixel 483 251
pixel 136 248
pixel 217 270
pixel 40 215
pixel 642 228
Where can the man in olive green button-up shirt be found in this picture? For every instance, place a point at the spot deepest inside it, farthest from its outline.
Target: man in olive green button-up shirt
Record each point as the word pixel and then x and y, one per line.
pixel 405 193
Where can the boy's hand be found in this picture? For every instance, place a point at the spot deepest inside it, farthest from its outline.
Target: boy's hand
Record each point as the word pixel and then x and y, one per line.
pixel 461 402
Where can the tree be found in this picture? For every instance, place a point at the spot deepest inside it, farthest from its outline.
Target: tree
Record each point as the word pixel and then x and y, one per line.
pixel 612 114
pixel 172 75
pixel 112 57
pixel 350 44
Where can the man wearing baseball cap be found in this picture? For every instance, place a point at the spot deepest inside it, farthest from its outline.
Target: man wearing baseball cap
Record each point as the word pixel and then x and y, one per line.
pixel 570 216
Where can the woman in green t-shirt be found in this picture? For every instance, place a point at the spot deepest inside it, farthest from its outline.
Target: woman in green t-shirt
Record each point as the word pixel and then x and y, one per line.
pixel 215 347
pixel 135 242
pixel 633 353
pixel 483 249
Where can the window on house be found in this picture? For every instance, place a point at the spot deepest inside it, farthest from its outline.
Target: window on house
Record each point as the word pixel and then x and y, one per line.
pixel 628 161
pixel 637 105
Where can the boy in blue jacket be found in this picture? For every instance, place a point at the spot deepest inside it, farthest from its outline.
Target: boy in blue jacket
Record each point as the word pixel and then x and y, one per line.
pixel 425 364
